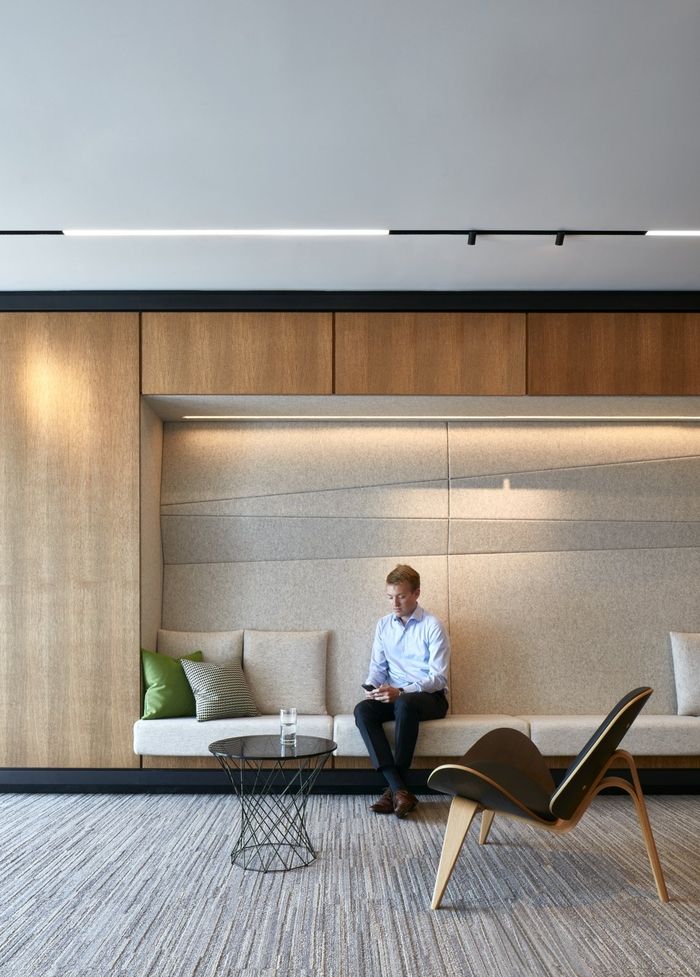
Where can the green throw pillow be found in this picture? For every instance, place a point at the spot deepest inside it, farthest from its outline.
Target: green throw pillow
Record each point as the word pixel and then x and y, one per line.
pixel 167 691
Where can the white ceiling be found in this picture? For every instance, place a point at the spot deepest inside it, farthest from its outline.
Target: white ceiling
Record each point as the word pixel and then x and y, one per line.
pixel 350 113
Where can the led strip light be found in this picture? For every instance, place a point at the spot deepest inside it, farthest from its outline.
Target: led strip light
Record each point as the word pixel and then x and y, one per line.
pixel 471 233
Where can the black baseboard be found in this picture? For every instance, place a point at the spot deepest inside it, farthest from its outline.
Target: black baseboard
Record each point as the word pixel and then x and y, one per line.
pixel 129 781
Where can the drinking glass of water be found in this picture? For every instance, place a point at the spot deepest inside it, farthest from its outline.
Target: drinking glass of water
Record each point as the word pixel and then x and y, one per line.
pixel 288 727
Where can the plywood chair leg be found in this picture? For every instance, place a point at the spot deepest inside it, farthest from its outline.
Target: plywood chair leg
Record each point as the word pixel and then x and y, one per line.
pixel 486 822
pixel 460 817
pixel 643 816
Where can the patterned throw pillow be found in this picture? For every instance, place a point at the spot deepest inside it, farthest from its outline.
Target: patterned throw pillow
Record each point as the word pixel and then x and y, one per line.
pixel 220 691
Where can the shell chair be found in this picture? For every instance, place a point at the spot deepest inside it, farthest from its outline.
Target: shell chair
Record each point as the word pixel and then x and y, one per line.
pixel 505 773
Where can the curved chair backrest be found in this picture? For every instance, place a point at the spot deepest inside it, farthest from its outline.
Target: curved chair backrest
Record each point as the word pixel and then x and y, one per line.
pixel 596 753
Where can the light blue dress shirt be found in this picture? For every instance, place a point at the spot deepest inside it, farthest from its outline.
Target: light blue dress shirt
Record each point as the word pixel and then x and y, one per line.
pixel 414 657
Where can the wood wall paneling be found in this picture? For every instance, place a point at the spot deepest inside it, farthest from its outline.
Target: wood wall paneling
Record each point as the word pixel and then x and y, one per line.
pixel 642 762
pixel 69 524
pixel 182 763
pixel 618 354
pixel 430 353
pixel 334 763
pixel 69 466
pixel 237 353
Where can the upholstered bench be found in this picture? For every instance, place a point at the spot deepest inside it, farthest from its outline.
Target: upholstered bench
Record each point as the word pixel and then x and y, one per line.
pixel 289 669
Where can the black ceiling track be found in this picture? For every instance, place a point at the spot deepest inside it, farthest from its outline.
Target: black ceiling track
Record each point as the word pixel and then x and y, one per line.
pixel 340 301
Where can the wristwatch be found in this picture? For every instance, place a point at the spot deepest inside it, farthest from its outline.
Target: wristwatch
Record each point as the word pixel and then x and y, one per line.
pixel 400 691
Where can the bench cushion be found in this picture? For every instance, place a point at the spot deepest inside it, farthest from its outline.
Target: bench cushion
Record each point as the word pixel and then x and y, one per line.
pixel 650 735
pixel 187 737
pixel 286 668
pixel 686 671
pixel 451 736
pixel 216 646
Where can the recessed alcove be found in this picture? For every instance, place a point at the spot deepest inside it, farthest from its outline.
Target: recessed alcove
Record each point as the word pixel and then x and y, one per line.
pixel 546 530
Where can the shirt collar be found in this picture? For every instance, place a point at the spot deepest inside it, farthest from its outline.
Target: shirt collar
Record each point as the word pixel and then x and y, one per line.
pixel 416 616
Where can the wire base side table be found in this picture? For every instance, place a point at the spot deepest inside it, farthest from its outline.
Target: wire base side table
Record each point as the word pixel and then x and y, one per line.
pixel 272 782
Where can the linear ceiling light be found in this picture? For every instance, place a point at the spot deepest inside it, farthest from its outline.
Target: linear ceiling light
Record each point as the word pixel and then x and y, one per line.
pixel 559 234
pixel 673 233
pixel 226 232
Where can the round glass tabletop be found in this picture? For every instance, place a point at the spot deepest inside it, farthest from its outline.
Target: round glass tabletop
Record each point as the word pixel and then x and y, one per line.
pixel 270 747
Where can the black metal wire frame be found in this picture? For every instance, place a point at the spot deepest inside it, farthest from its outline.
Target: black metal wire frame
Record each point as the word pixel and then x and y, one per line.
pixel 272 834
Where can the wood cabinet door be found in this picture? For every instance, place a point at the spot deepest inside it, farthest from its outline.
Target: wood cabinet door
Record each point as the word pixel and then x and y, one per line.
pixel 428 354
pixel 616 354
pixel 237 353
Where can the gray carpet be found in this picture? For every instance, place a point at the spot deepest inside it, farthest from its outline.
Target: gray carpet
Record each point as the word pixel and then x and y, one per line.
pixel 141 885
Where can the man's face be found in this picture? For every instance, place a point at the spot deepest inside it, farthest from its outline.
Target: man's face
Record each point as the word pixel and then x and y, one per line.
pixel 403 600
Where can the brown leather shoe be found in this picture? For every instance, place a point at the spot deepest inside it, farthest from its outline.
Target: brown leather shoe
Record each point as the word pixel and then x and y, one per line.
pixel 404 802
pixel 385 804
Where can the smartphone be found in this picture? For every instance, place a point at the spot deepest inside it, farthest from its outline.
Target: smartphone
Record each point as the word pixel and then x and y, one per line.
pixel 368 688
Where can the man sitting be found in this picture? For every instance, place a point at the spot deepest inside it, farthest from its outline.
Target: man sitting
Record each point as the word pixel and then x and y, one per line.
pixel 406 682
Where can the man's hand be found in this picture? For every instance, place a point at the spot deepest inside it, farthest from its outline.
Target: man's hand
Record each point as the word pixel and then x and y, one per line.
pixel 385 693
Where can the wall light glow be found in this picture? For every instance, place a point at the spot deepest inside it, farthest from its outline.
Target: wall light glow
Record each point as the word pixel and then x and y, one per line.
pixel 44 387
pixel 437 417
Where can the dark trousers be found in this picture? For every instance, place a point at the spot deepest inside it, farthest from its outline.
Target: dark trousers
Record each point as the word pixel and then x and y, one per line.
pixel 407 711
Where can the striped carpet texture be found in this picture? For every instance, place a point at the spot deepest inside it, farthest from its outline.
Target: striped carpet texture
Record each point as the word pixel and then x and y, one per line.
pixel 141 885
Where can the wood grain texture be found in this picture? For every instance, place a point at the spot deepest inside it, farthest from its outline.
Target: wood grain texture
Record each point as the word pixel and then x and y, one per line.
pixel 618 354
pixel 363 763
pixel 419 763
pixel 461 814
pixel 424 354
pixel 643 762
pixel 334 763
pixel 237 353
pixel 180 763
pixel 69 524
pixel 193 763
